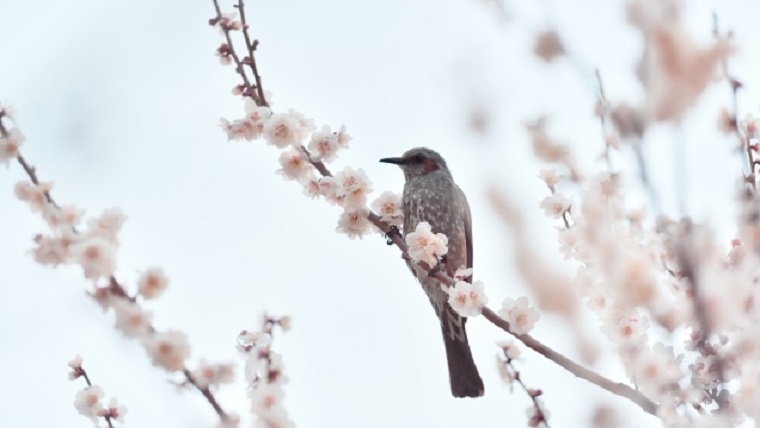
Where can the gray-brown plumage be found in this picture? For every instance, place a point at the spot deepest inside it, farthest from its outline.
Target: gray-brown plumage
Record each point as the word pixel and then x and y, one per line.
pixel 431 195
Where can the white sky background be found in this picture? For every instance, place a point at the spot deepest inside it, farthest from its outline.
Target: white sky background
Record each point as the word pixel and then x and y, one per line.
pixel 120 104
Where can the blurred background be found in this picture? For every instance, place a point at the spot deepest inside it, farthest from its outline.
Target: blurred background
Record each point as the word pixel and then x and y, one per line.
pixel 120 104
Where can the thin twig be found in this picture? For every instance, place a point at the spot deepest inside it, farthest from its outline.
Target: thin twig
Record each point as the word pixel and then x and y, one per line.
pixel 251 46
pixel 238 64
pixel 602 99
pixel 532 393
pixel 734 86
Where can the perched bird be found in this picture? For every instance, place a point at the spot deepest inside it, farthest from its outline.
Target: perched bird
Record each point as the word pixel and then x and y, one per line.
pixel 431 195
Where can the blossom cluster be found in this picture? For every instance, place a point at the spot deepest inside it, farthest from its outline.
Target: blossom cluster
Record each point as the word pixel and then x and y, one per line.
pixel 641 276
pixel 303 147
pixel 264 373
pixel 88 400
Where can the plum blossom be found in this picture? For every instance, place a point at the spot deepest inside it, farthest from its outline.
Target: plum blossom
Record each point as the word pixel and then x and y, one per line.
pixel 76 368
pixel 53 250
pixel 96 255
pixel 34 194
pixel 283 130
pixel 324 145
pixel 311 187
pixel 107 225
pixel 257 114
pixel 656 371
pixel 388 206
pixel 295 164
pixel 240 129
pixel 343 137
pixel 87 401
pixel 426 246
pixel 555 205
pixel 213 374
pixel 114 411
pixel 9 145
pixel 550 177
pixel 467 299
pixel 519 315
pixel 168 350
pixel 152 283
pixel 130 318
pixel 353 222
pixel 352 186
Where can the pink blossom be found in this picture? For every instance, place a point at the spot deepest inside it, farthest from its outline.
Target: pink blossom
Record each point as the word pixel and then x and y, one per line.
pixel 467 299
pixel 130 318
pixel 324 145
pixel 555 205
pixel 426 246
pixel 343 137
pixel 213 374
pixel 10 144
pixel 34 194
pixel 353 222
pixel 168 350
pixel 152 283
pixel 96 255
pixel 311 187
pixel 115 411
pixel 88 403
pixel 294 164
pixel 388 206
pixel 352 186
pixel 240 129
pixel 519 315
pixel 283 130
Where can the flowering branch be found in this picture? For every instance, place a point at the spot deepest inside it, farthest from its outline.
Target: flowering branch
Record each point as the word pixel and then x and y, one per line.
pixel 88 400
pixel 735 127
pixel 168 349
pixel 264 372
pixel 537 414
pixel 287 131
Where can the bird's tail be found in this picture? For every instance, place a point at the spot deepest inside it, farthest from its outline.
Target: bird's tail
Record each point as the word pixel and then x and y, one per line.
pixel 463 374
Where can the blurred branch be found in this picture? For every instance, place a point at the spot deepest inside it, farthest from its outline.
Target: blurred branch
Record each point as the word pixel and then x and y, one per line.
pixel 734 86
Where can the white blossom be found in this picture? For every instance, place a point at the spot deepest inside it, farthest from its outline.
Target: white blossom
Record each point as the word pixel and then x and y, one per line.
pixel 10 144
pixel 96 255
pixel 519 315
pixel 388 206
pixel 283 130
pixel 168 350
pixel 294 164
pixel 354 223
pixel 324 145
pixel 152 283
pixel 555 205
pixel 87 401
pixel 426 246
pixel 352 186
pixel 467 299
pixel 131 319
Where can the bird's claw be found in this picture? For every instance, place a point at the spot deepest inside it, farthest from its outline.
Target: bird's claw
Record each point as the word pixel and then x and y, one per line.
pixel 392 231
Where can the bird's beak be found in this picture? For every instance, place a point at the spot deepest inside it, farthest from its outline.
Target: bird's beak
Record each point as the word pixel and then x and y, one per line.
pixel 397 161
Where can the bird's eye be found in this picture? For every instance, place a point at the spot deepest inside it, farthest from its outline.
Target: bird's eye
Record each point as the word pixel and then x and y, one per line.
pixel 418 158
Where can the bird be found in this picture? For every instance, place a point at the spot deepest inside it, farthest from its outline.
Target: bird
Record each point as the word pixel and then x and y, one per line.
pixel 431 195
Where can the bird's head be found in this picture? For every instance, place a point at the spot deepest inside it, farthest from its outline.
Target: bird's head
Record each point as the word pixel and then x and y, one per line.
pixel 418 162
